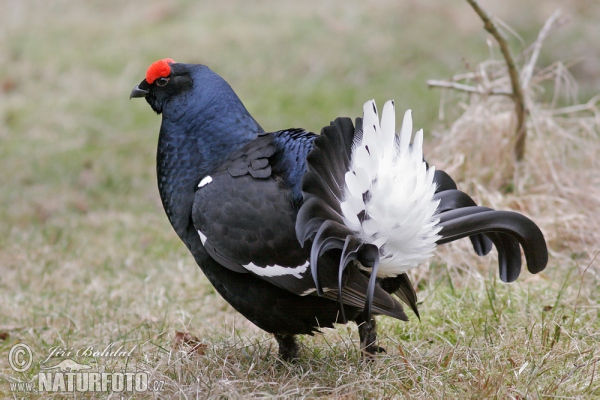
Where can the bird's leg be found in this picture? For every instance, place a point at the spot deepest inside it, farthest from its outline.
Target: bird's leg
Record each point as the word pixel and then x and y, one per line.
pixel 367 330
pixel 288 347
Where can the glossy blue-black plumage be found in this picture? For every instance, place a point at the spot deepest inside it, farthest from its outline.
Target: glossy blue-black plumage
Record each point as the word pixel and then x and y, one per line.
pixel 201 126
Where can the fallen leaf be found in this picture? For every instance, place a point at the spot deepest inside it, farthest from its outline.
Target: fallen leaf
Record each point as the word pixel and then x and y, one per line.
pixel 8 85
pixel 4 335
pixel 186 341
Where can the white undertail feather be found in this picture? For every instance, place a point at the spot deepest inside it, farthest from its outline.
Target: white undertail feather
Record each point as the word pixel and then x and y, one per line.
pixel 388 198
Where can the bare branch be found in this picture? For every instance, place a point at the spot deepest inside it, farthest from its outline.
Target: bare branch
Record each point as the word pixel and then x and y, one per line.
pixel 517 92
pixel 537 46
pixel 466 88
pixel 589 106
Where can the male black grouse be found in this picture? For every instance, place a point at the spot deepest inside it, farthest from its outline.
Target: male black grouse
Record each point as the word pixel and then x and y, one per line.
pixel 299 231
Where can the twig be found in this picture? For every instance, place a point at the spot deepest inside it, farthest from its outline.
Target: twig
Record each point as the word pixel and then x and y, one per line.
pixel 512 31
pixel 517 92
pixel 537 46
pixel 589 106
pixel 466 88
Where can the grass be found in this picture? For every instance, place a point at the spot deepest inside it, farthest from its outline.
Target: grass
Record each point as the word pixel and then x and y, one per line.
pixel 87 257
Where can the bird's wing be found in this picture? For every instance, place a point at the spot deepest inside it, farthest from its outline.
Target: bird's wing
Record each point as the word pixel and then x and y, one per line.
pixel 246 218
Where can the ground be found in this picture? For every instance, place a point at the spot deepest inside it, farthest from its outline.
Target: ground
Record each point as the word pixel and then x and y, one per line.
pixel 88 259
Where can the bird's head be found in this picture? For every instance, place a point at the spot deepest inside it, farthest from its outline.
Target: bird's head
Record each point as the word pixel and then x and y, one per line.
pixel 165 79
pixel 195 100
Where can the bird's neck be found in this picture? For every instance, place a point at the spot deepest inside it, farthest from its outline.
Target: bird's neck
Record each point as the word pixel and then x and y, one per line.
pixel 191 145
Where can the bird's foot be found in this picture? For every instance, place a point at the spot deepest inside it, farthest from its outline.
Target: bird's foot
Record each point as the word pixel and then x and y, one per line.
pixel 367 330
pixel 288 347
pixel 370 352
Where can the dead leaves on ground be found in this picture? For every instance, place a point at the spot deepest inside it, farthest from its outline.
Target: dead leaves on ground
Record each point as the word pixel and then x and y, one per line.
pixel 183 341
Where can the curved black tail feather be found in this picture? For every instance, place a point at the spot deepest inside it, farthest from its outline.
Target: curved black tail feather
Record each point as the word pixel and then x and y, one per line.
pixel 402 287
pixel 450 199
pixel 508 230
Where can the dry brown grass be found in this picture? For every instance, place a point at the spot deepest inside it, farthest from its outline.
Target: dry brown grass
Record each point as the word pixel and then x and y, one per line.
pixel 558 184
pixel 88 258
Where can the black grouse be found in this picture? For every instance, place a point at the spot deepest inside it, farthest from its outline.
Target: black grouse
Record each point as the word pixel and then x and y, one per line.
pixel 299 231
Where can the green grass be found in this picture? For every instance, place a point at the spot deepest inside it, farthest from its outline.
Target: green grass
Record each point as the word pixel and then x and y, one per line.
pixel 88 258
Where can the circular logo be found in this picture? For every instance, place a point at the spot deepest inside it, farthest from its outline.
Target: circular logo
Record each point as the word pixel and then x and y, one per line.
pixel 20 357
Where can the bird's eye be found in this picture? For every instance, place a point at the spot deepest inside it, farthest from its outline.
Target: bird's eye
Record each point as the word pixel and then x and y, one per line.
pixel 162 81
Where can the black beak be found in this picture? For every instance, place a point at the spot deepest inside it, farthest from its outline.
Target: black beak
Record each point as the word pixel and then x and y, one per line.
pixel 138 92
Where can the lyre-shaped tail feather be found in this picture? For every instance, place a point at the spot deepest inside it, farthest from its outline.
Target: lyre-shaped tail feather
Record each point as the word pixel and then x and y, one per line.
pixel 369 196
pixel 505 230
